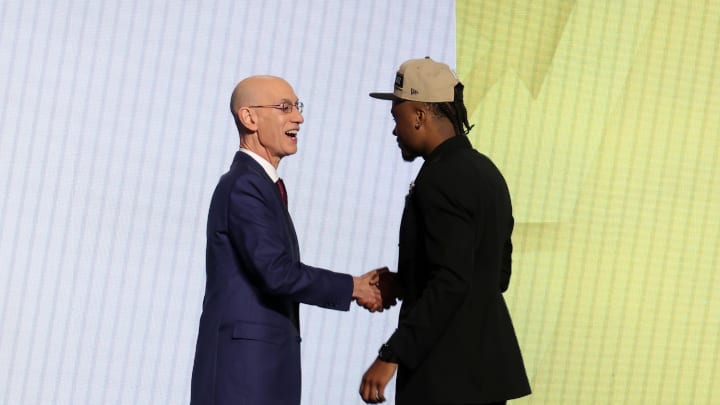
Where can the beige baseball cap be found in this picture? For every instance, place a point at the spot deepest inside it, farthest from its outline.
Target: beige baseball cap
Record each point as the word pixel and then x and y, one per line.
pixel 422 80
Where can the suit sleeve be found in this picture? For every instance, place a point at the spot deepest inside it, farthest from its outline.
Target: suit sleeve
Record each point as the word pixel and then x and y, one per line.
pixel 506 269
pixel 258 227
pixel 449 215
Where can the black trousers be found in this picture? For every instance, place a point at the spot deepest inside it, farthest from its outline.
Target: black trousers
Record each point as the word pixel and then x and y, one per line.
pixel 490 403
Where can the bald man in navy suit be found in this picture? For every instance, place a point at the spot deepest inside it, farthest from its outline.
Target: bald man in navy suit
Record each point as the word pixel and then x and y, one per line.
pixel 248 346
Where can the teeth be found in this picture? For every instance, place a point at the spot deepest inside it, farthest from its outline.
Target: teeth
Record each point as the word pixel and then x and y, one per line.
pixel 292 132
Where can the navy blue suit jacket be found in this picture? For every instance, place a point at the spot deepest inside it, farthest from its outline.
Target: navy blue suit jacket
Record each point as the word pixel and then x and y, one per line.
pixel 248 346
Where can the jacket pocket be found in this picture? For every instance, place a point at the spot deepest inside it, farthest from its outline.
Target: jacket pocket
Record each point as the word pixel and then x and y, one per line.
pixel 258 331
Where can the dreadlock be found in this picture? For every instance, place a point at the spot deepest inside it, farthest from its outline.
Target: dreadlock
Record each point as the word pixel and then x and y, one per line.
pixel 455 111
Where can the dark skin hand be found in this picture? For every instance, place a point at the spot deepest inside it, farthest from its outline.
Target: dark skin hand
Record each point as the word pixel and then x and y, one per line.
pixel 390 288
pixel 374 381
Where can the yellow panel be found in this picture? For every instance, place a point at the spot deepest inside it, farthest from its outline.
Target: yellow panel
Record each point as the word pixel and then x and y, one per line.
pixel 605 119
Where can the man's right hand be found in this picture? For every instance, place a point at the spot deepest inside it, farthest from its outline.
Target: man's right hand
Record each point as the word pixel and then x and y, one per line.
pixel 390 288
pixel 366 291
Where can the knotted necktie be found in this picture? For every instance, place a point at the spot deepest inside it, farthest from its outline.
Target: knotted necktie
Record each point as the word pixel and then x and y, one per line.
pixel 283 192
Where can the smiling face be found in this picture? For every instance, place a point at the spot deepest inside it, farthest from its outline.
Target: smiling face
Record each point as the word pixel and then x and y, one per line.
pixel 269 131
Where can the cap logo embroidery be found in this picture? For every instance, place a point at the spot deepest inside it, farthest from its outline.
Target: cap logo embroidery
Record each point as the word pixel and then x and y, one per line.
pixel 399 80
pixel 413 91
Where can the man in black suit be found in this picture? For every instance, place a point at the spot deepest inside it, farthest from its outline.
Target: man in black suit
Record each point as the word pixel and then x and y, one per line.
pixel 455 342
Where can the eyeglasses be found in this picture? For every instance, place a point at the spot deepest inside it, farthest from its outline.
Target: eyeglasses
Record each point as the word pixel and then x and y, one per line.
pixel 284 106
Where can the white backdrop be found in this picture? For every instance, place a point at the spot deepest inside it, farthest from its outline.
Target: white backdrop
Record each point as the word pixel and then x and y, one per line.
pixel 114 128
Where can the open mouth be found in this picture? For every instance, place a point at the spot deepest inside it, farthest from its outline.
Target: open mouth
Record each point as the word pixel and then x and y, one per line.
pixel 292 133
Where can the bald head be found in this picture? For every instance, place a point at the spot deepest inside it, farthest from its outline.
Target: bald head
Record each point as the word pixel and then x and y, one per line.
pixel 255 90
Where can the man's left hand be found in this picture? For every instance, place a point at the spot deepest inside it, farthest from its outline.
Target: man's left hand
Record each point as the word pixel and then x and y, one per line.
pixel 372 386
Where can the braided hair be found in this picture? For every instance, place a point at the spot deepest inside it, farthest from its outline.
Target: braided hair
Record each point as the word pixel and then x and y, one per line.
pixel 455 111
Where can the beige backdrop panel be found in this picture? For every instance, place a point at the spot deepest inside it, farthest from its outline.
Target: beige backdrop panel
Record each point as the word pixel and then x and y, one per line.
pixel 605 119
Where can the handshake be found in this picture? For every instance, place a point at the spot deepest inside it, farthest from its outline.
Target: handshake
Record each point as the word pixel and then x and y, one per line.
pixel 377 289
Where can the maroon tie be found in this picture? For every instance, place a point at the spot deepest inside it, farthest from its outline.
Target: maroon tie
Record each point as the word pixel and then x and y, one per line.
pixel 283 192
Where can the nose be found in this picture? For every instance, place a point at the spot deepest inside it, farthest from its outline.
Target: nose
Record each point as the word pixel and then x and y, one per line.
pixel 300 118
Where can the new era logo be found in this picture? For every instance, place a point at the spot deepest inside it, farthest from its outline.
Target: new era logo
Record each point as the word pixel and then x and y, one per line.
pixel 413 91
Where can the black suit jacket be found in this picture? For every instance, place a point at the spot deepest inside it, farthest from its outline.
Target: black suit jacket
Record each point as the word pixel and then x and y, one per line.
pixel 455 340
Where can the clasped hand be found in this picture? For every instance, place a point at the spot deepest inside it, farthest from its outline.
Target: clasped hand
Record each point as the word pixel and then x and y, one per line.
pixel 376 290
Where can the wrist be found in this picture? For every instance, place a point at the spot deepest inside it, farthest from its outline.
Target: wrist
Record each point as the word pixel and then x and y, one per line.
pixel 355 284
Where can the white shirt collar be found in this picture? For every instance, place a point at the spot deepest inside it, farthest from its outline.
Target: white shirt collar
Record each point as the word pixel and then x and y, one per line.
pixel 269 168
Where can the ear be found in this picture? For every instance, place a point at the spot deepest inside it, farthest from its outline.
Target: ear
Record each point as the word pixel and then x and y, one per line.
pixel 247 118
pixel 420 116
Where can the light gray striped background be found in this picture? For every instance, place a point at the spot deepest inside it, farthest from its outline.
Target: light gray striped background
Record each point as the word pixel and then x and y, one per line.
pixel 114 128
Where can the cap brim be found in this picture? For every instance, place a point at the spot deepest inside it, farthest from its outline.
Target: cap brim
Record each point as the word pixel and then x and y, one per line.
pixel 384 96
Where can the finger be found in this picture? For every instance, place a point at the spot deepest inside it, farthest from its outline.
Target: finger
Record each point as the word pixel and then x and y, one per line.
pixel 361 391
pixel 368 394
pixel 381 393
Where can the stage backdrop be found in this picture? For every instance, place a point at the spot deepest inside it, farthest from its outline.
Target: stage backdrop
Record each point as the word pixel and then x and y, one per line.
pixel 605 119
pixel 114 128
